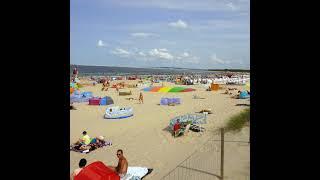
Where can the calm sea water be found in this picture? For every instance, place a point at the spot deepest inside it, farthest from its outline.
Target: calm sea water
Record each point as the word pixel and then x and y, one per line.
pixel 115 71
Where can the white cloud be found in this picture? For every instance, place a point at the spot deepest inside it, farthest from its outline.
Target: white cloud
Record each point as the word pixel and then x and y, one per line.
pixel 193 60
pixel 232 6
pixel 143 35
pixel 142 54
pixel 121 52
pixel 201 5
pixel 185 54
pixel 101 43
pixel 179 24
pixel 216 60
pixel 163 49
pixel 161 54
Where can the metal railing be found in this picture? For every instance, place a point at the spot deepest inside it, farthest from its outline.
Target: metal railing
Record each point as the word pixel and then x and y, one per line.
pixel 205 163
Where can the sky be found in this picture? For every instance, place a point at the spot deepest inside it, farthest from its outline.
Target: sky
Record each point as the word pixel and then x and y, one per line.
pixel 155 33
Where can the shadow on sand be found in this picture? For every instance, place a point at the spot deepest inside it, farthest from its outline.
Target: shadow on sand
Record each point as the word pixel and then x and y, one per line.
pixel 242 104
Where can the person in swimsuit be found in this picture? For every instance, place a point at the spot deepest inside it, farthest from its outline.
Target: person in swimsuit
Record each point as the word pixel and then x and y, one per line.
pixel 141 98
pixel 122 166
pixel 82 164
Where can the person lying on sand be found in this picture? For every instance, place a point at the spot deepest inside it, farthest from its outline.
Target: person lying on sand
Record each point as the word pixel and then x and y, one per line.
pixel 82 164
pixel 176 128
pixel 122 166
pixel 206 110
pixel 237 96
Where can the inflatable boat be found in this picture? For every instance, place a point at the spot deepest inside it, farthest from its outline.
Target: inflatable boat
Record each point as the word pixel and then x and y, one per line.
pixel 118 113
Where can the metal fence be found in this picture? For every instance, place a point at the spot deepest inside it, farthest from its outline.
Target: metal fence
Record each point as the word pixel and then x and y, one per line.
pixel 204 163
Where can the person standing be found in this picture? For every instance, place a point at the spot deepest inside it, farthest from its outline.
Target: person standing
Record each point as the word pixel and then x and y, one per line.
pixel 141 98
pixel 75 72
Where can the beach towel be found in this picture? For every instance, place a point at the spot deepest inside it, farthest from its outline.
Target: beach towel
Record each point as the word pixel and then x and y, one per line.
pixel 136 173
pixel 197 97
pixel 94 146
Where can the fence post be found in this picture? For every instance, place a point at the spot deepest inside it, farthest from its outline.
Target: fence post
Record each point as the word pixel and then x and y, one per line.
pixel 222 154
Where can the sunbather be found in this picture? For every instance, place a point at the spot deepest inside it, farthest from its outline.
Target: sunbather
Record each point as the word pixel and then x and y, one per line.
pixel 176 128
pixel 82 164
pixel 84 141
pixel 122 166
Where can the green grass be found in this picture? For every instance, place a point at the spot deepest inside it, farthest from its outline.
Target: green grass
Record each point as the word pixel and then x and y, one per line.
pixel 237 122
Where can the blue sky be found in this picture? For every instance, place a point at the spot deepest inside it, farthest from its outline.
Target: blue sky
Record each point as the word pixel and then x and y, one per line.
pixel 152 33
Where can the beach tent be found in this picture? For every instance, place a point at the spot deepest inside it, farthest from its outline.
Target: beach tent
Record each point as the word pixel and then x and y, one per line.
pixel 100 101
pixel 214 87
pixel 125 93
pixel 167 101
pixel 79 97
pixel 94 101
pixel 97 171
pixel 244 95
pixel 106 101
pixel 87 94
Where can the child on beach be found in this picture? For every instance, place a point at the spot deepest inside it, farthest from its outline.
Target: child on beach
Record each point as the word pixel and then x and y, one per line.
pixel 141 98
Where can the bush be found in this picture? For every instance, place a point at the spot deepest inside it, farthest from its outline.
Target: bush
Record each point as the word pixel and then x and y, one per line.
pixel 237 122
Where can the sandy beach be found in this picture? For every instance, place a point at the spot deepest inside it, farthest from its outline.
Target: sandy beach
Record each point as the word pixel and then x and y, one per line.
pixel 144 138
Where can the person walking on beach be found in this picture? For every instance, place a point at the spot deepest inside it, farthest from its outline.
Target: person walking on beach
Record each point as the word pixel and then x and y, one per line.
pixel 75 72
pixel 122 166
pixel 141 98
pixel 82 164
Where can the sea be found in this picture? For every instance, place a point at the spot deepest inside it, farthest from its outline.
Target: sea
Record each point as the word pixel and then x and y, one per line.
pixel 85 70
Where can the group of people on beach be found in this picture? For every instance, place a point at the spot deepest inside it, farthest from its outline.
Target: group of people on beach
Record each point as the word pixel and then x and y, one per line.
pixel 121 168
pixel 87 143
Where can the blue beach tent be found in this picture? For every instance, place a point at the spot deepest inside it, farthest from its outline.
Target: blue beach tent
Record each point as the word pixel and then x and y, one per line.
pixel 244 95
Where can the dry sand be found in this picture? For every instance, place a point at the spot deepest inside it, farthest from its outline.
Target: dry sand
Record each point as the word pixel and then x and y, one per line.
pixel 144 138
